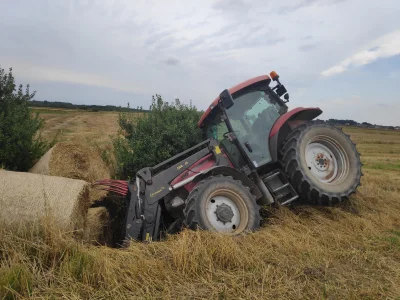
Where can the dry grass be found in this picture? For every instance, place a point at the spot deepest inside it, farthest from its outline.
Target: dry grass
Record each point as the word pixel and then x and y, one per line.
pixel 348 252
pixel 98 230
pixel 90 129
pixel 71 160
pixel 81 127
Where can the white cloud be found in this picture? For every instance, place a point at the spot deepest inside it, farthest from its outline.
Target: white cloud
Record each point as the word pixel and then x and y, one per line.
pixel 394 75
pixel 299 92
pixel 372 112
pixel 192 49
pixel 38 73
pixel 386 46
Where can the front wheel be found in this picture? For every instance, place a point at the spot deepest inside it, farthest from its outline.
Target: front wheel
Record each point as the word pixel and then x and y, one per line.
pixel 222 204
pixel 321 163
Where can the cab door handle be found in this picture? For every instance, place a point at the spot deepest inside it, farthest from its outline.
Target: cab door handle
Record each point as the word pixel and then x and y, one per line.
pixel 248 147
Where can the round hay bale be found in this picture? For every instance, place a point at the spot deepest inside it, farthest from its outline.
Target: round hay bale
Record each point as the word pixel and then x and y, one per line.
pixel 71 160
pixel 42 166
pixel 31 198
pixel 97 228
pixel 74 161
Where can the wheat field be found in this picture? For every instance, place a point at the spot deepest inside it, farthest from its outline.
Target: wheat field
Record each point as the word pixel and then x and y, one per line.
pixel 301 252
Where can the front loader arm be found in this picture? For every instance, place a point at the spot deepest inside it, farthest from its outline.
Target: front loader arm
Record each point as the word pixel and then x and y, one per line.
pixel 150 186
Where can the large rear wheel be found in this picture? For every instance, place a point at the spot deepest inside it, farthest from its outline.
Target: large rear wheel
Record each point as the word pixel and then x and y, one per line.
pixel 222 204
pixel 321 163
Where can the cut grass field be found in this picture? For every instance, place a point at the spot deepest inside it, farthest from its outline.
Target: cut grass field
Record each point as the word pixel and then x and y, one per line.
pixel 302 252
pixel 78 126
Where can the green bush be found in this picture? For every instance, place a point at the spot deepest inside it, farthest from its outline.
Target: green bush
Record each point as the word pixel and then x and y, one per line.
pixel 20 143
pixel 166 130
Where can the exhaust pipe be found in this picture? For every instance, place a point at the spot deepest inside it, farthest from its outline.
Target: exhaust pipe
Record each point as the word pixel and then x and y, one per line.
pixel 267 198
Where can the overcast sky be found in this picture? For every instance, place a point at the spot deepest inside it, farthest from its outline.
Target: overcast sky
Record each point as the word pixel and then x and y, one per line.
pixel 340 55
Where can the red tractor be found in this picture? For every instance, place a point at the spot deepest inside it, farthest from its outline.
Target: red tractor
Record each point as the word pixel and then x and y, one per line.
pixel 255 153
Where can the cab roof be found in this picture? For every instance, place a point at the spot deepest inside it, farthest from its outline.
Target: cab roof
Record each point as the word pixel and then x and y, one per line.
pixel 233 90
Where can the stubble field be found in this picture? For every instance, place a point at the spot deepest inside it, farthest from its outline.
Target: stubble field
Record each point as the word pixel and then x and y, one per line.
pixel 302 252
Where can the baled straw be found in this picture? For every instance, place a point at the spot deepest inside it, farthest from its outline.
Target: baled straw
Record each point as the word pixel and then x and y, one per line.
pixel 75 161
pixel 71 160
pixel 97 228
pixel 29 198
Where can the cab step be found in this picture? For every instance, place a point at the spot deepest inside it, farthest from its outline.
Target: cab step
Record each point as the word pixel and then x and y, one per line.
pixel 280 188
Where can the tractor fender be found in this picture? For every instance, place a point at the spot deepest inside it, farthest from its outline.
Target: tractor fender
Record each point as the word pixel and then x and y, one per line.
pixel 286 123
pixel 226 171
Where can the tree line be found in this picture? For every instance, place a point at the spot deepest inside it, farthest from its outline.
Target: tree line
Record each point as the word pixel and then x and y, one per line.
pixel 94 108
pixel 346 122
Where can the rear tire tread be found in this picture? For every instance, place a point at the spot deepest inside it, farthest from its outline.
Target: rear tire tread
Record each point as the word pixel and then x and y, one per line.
pixel 305 187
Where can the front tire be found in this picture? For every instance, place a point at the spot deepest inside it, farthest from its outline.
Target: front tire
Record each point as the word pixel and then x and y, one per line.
pixel 222 204
pixel 322 163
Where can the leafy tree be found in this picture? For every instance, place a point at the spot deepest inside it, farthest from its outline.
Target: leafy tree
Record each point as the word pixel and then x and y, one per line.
pixel 20 141
pixel 166 130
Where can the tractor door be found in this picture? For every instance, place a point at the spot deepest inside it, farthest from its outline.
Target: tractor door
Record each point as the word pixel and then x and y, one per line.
pixel 251 119
pixel 216 128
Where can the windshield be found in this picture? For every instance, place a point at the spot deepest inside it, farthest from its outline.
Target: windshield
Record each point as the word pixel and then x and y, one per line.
pixel 252 117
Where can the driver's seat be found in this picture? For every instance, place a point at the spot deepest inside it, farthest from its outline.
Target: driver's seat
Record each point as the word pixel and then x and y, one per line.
pixel 265 120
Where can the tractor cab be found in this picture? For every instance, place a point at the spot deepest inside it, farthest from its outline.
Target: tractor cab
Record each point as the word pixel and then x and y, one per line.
pixel 241 119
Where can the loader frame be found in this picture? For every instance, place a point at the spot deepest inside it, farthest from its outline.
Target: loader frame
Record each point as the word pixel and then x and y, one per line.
pixel 153 184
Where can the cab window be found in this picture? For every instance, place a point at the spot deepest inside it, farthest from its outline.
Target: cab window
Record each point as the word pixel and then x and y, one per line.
pixel 216 127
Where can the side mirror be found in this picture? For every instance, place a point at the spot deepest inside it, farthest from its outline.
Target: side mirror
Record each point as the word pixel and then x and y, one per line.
pixel 226 99
pixel 280 90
